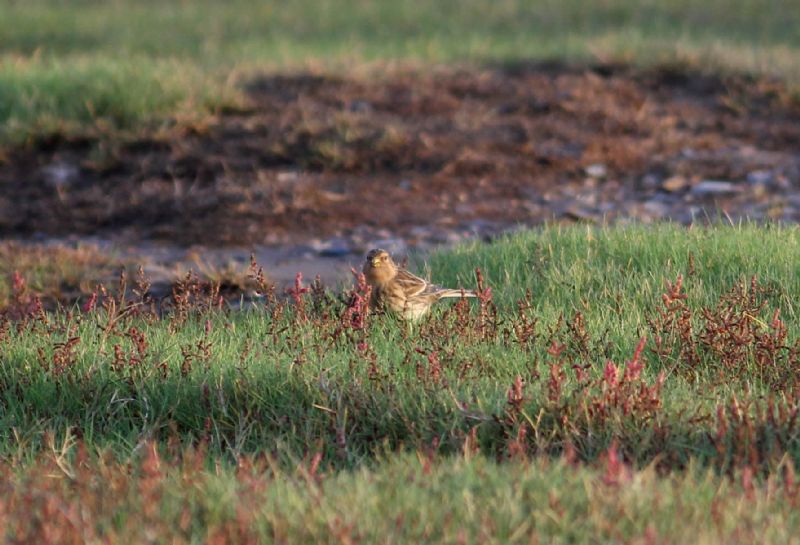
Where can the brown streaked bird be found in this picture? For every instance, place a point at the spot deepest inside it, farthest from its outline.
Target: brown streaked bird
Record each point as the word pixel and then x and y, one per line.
pixel 395 288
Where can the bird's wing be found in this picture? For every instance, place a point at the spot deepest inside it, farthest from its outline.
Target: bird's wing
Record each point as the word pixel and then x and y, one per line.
pixel 412 285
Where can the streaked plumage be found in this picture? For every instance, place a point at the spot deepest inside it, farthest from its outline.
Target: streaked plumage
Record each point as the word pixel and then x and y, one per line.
pixel 395 288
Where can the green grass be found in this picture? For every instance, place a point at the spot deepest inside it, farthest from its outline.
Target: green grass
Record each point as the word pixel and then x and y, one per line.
pixel 129 63
pixel 586 269
pixel 99 95
pixel 269 379
pixel 320 415
pixel 405 500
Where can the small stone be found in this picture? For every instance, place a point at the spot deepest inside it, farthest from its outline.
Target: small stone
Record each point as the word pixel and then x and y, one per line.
pixel 360 106
pixel 287 176
pixel 674 184
pixel 606 207
pixel 688 214
pixel 715 187
pixel 395 246
pixel 480 226
pixel 650 181
pixel 596 170
pixel 532 208
pixel 760 177
pixel 335 247
pixel 782 182
pixel 588 199
pixel 577 214
pixel 419 231
pixel 335 251
pixel 656 209
pixel 60 174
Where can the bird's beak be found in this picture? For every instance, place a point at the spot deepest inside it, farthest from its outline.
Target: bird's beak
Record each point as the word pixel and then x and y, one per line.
pixel 376 262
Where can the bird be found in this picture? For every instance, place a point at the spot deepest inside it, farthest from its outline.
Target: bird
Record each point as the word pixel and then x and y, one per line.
pixel 402 292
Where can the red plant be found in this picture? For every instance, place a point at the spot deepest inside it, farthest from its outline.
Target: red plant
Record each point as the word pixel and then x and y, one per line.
pixel 556 381
pixel 139 340
pixel 64 355
pixel 297 292
pixel 624 389
pixel 616 472
pixel 24 305
pixel 91 304
pixel 357 309
pixel 262 287
pixel 518 447
pixel 523 327
pixel 672 326
pixel 515 397
pixel 433 372
pixel 487 318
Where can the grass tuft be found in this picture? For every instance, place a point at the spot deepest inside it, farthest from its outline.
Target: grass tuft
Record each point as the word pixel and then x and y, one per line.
pixel 74 95
pixel 129 62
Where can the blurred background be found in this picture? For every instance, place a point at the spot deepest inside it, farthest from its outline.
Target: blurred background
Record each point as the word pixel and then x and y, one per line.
pixel 190 134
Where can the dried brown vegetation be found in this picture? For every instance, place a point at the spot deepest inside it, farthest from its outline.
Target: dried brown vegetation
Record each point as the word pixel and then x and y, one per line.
pixel 320 155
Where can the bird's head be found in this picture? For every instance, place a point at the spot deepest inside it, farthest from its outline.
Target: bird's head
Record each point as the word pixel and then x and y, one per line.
pixel 379 267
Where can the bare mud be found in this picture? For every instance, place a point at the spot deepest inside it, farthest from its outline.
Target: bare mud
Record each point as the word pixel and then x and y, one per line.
pixel 325 167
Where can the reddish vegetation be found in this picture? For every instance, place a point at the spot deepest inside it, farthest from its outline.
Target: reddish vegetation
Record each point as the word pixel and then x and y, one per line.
pixel 613 417
pixel 159 497
pixel 726 336
pixel 322 155
pixel 569 399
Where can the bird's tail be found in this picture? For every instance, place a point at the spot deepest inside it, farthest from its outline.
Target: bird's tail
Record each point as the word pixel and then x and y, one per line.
pixel 455 293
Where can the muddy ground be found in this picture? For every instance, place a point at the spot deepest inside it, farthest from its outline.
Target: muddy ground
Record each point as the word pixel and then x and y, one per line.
pixel 423 157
